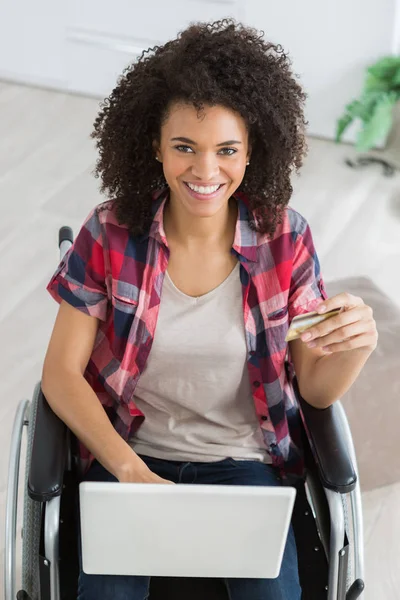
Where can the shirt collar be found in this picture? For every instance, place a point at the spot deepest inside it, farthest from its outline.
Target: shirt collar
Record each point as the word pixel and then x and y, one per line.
pixel 245 242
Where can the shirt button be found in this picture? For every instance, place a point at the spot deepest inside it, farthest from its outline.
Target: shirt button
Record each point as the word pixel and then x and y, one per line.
pixel 256 384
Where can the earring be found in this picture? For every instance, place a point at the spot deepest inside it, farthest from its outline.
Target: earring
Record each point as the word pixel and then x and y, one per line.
pixel 248 163
pixel 156 157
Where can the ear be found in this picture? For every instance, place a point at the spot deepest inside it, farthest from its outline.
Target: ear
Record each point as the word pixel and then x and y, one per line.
pixel 156 150
pixel 249 149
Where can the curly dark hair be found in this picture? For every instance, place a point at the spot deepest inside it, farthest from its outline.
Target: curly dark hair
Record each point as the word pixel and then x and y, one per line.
pixel 222 63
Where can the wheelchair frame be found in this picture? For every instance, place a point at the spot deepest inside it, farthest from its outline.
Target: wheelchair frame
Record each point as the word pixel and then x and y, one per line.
pixel 332 486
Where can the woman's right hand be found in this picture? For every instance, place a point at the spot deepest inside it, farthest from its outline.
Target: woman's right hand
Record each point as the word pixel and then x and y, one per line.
pixel 139 474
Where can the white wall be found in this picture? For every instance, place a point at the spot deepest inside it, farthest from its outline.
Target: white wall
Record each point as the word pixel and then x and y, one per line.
pixel 330 43
pixel 83 45
pixel 100 42
pixel 32 41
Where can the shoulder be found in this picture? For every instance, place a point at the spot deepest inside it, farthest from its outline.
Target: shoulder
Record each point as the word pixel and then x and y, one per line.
pixel 292 221
pixel 297 222
pixel 105 212
pixel 101 232
pixel 105 218
pixel 293 224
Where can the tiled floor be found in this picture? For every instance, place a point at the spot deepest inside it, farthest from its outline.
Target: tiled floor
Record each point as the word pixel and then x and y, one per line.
pixel 46 158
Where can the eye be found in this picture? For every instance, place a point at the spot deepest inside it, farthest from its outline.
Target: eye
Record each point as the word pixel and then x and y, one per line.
pixel 189 150
pixel 231 151
pixel 183 149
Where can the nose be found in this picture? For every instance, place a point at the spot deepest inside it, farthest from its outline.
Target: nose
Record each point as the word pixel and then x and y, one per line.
pixel 205 165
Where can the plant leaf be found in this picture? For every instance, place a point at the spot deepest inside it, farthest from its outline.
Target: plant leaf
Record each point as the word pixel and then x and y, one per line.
pixel 375 84
pixel 379 125
pixel 341 126
pixel 362 109
pixel 351 112
pixel 385 68
pixel 396 79
pixel 368 102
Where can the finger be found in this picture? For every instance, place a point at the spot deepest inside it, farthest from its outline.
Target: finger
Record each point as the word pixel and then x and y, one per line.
pixel 333 323
pixel 162 480
pixel 341 300
pixel 340 334
pixel 360 341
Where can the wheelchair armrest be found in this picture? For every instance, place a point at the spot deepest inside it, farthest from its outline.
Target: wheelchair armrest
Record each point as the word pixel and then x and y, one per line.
pixel 329 444
pixel 49 451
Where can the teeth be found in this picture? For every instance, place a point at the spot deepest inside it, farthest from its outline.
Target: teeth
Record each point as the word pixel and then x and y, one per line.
pixel 209 189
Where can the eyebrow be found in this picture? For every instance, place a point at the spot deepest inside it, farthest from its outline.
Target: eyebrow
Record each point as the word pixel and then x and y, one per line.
pixel 188 141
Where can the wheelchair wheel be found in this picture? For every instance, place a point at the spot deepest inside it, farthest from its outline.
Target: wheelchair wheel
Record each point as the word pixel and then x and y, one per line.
pixel 32 517
pixel 349 529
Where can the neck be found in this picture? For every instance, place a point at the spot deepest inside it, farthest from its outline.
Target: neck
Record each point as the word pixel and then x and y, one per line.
pixel 191 232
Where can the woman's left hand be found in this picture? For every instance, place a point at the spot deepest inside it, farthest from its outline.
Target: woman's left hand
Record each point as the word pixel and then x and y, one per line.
pixel 354 327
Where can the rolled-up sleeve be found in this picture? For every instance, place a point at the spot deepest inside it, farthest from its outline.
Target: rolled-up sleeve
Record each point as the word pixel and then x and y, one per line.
pixel 307 289
pixel 80 277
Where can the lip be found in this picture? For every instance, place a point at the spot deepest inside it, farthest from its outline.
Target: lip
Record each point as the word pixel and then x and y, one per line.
pixel 203 197
pixel 205 183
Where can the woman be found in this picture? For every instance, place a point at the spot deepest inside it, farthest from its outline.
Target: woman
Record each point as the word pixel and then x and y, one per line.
pixel 168 352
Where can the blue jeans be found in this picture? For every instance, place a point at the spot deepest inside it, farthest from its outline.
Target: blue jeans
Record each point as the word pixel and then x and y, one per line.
pixel 224 472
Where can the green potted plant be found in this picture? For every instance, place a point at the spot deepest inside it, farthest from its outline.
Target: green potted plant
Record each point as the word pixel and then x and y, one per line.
pixel 374 107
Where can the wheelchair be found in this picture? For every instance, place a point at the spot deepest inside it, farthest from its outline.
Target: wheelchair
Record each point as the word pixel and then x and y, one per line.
pixel 327 516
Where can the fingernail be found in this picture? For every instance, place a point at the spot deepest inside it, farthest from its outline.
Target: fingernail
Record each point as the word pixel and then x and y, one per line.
pixel 321 309
pixel 311 344
pixel 306 336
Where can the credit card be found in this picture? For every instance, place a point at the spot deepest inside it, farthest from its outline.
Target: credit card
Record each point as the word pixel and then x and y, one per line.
pixel 303 322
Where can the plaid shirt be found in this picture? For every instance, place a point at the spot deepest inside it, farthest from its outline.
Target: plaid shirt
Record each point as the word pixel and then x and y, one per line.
pixel 110 274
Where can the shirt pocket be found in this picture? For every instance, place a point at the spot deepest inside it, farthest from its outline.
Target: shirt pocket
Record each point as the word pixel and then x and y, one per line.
pixel 125 300
pixel 124 307
pixel 123 304
pixel 279 316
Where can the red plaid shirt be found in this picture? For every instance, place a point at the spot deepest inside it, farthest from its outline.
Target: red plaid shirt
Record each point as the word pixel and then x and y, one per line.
pixel 109 274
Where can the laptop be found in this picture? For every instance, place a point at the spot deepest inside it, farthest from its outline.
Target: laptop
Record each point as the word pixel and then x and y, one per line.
pixel 184 530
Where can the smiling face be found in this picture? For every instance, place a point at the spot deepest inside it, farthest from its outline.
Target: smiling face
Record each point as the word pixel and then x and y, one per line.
pixel 204 159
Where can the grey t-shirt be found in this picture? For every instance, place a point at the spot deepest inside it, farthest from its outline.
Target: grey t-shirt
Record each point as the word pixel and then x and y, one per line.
pixel 195 389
